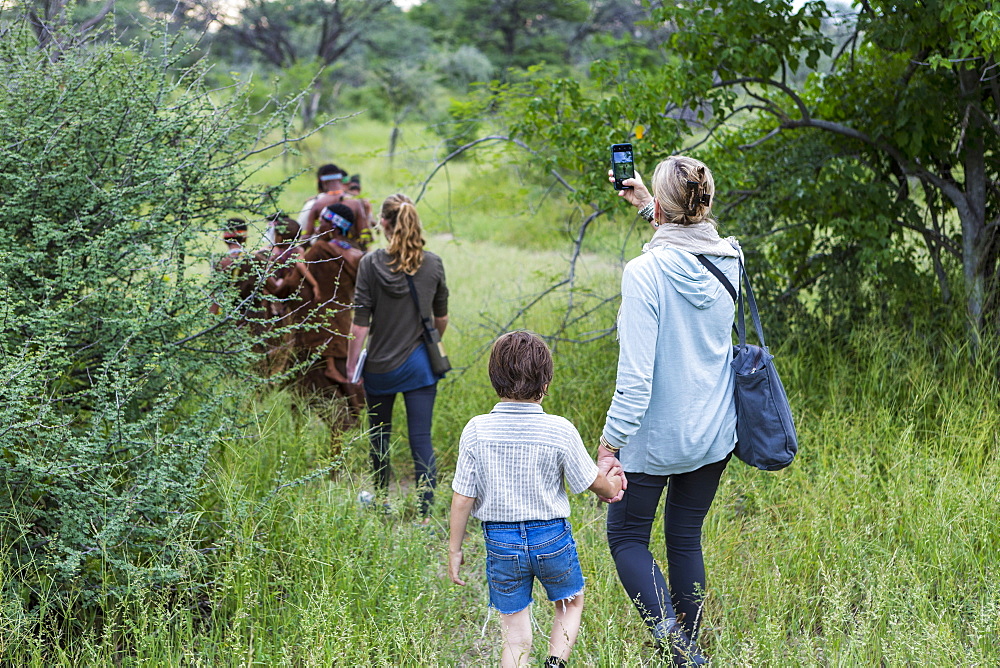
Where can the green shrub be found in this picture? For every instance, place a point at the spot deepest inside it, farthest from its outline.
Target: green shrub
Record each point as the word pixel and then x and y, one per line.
pixel 113 171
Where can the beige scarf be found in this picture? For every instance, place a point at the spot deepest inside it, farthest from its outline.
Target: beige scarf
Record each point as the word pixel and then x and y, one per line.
pixel 701 238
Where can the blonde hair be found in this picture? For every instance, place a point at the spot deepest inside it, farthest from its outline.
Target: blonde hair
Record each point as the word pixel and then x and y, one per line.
pixel 684 187
pixel 406 243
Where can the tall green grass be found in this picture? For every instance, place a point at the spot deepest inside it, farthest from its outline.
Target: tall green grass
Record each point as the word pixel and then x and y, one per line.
pixel 880 545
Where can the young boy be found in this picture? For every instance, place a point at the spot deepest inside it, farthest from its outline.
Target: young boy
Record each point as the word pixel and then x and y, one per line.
pixel 513 467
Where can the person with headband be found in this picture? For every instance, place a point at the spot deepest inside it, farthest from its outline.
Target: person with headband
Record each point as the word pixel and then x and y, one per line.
pixel 286 269
pixel 396 359
pixel 672 419
pixel 329 178
pixel 286 257
pixel 237 266
pixel 354 193
pixel 332 190
pixel 325 310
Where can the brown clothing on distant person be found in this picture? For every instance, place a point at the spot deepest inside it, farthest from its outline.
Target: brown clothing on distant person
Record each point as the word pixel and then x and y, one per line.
pixel 282 281
pixel 245 274
pixel 327 317
pixel 334 264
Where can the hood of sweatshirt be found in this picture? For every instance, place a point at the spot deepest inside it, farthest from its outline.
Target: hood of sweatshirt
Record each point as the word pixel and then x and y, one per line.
pixel 394 282
pixel 688 276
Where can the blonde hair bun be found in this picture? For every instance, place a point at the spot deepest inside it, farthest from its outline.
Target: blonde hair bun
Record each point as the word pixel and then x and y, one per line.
pixel 684 188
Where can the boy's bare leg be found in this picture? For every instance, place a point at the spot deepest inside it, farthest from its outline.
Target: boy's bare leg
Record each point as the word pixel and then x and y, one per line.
pixel 516 629
pixel 565 626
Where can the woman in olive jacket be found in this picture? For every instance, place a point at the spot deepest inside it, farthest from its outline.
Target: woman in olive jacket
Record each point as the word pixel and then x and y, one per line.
pixel 396 360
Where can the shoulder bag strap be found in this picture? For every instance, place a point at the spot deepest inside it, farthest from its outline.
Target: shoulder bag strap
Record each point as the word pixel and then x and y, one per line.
pixel 727 284
pixel 754 315
pixel 740 326
pixel 719 275
pixel 416 303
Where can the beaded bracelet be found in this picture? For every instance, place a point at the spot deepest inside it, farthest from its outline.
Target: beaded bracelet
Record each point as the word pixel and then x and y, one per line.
pixel 646 212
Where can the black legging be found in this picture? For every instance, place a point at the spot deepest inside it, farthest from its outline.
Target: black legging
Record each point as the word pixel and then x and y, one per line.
pixel 419 413
pixel 630 522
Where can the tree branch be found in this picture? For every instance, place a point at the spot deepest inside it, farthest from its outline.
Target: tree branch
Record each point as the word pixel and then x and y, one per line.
pixel 90 23
pixel 803 110
pixel 851 41
pixel 577 250
pixel 770 135
pixel 491 138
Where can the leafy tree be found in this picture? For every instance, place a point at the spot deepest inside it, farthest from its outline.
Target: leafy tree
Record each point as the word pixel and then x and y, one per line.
pixel 512 33
pixel 284 32
pixel 54 27
pixel 881 168
pixel 114 172
pixel 316 34
pixel 873 104
pixel 462 67
pixel 403 89
pixel 61 24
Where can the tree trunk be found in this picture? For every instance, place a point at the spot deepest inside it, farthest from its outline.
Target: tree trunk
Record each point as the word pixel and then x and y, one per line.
pixel 310 107
pixel 393 138
pixel 976 245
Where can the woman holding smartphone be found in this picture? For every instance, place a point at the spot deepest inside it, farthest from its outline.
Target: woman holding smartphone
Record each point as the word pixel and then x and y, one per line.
pixel 396 361
pixel 672 421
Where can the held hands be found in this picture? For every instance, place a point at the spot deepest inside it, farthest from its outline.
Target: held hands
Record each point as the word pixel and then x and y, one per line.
pixel 609 466
pixel 638 196
pixel 455 560
pixel 615 478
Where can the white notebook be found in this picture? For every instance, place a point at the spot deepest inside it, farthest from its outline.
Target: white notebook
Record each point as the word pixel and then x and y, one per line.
pixel 356 378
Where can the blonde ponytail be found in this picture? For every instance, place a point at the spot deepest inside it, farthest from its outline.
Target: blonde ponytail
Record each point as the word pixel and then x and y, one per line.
pixel 406 243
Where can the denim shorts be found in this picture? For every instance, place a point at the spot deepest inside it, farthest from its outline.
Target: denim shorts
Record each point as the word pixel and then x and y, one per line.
pixel 519 552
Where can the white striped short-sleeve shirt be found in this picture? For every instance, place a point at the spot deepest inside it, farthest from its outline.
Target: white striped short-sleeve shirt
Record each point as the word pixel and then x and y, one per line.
pixel 517 460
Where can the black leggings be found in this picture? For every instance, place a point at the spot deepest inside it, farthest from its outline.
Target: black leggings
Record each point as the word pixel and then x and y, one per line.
pixel 630 522
pixel 419 413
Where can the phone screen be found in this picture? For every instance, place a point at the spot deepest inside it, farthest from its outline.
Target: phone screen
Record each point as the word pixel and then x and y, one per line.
pixel 622 164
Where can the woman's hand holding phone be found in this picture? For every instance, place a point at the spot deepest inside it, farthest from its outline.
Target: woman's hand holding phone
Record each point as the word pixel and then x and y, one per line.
pixel 638 195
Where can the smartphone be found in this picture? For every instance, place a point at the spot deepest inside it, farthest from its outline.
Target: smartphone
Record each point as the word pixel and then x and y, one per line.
pixel 622 165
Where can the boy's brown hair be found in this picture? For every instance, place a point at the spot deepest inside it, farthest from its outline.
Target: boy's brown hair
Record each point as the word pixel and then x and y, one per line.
pixel 520 366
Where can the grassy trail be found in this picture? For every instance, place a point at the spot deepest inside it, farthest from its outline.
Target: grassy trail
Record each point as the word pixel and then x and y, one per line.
pixel 880 546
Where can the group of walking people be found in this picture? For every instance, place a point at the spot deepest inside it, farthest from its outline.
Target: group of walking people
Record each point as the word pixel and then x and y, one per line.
pixel 670 428
pixel 317 296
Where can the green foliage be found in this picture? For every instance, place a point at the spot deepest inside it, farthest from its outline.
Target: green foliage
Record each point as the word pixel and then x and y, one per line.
pixel 462 67
pixel 512 33
pixel 113 169
pixel 878 545
pixel 856 193
pixel 929 162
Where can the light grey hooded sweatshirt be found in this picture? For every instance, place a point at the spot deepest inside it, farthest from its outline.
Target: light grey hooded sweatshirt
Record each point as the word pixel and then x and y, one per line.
pixel 673 408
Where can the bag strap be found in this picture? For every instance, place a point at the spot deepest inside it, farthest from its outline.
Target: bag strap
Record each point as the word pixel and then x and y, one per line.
pixel 416 303
pixel 754 315
pixel 719 275
pixel 741 328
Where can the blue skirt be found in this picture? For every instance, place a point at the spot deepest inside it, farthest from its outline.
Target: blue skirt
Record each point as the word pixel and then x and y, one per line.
pixel 412 374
